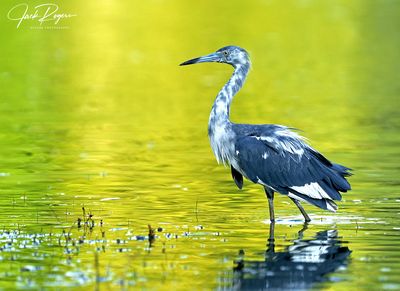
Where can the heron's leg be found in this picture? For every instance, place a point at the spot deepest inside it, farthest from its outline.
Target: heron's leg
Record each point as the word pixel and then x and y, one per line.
pixel 271 237
pixel 270 196
pixel 306 217
pixel 271 240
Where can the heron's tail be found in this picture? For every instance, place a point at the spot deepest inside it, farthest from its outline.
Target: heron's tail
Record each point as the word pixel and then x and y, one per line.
pixel 335 174
pixel 338 178
pixel 342 170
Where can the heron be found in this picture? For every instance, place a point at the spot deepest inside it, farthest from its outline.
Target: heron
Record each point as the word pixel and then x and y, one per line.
pixel 275 156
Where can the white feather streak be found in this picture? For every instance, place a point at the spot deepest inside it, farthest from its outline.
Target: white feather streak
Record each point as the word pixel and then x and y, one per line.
pixel 312 190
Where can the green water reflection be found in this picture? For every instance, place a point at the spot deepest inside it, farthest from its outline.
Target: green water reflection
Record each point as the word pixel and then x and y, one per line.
pixel 100 115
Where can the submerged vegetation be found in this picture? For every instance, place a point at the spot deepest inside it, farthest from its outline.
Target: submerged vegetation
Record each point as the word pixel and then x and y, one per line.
pixel 60 257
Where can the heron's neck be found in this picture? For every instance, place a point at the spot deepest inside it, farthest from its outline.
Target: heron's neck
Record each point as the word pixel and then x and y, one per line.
pixel 220 110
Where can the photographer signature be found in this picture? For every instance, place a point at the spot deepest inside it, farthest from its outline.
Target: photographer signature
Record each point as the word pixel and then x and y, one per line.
pixel 41 13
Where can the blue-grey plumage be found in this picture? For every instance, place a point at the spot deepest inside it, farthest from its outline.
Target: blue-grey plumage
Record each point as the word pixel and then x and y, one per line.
pixel 274 156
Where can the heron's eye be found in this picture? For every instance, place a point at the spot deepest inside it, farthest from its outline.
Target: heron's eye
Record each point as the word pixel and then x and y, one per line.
pixel 225 53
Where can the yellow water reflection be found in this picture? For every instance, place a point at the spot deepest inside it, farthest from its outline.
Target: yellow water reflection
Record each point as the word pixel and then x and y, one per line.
pixel 100 115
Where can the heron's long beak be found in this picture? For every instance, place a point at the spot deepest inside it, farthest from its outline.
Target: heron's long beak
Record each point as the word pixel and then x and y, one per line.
pixel 214 57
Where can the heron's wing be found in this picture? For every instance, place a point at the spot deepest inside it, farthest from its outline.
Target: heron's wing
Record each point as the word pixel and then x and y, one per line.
pixel 237 177
pixel 288 165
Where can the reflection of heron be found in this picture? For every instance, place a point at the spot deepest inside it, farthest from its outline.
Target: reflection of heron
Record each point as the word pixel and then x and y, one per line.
pixel 299 266
pixel 270 155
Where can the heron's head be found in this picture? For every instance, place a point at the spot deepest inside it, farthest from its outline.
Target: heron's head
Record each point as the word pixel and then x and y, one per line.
pixel 232 55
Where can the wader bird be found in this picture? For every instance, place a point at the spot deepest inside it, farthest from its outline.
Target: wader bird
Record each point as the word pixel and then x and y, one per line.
pixel 271 155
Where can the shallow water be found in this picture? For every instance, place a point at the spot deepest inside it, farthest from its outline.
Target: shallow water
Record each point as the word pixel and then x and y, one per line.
pixel 99 116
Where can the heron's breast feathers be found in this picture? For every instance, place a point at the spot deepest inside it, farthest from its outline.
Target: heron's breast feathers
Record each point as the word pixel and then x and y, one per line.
pixel 222 143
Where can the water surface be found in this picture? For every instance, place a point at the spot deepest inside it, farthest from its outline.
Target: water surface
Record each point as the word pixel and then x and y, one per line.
pixel 100 116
